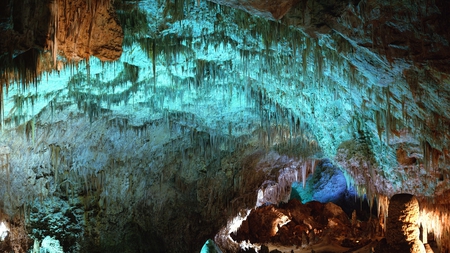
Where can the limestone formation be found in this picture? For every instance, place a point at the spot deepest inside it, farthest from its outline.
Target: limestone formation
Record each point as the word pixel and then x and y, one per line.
pixel 402 228
pixel 86 28
pixel 309 226
pixel 164 119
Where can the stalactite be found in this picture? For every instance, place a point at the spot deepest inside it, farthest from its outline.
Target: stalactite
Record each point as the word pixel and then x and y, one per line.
pixel 55 14
pixel 426 150
pixel 55 159
pixel 383 205
pixel 378 121
pixel 387 120
pixel 304 171
pixel 305 53
pixel 434 219
pixel 277 192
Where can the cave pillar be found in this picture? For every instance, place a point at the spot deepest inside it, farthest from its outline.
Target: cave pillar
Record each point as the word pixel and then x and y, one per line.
pixel 402 228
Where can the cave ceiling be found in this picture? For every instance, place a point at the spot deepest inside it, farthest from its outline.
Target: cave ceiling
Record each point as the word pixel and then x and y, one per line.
pixel 364 83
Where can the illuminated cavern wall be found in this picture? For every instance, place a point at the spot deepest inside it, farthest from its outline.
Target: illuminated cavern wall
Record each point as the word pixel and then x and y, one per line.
pixel 179 123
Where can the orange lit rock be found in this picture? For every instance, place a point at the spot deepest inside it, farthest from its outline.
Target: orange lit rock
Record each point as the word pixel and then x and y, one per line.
pixel 402 229
pixel 262 224
pixel 428 248
pixel 295 223
pixel 404 159
pixel 85 28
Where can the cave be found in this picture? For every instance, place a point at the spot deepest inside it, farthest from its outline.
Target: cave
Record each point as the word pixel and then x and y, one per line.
pixel 224 126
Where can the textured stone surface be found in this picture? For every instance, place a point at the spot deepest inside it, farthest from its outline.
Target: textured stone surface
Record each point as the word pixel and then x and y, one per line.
pixel 306 225
pixel 404 49
pixel 268 9
pixel 428 248
pixel 73 29
pixel 86 28
pixel 402 229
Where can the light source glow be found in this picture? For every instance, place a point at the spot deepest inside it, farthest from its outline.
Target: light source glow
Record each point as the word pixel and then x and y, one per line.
pixel 4 231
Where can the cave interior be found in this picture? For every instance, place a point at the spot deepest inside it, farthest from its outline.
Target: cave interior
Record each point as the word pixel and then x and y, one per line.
pixel 224 126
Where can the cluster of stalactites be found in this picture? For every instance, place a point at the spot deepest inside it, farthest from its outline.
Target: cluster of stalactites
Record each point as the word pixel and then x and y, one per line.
pixel 272 192
pixel 372 196
pixel 285 51
pixel 29 67
pixel 434 220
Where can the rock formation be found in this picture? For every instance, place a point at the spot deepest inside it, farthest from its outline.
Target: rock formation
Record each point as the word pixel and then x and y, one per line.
pixel 308 226
pixel 34 34
pixel 166 119
pixel 402 228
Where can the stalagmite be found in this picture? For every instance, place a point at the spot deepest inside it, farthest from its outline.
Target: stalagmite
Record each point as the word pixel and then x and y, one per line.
pixel 402 229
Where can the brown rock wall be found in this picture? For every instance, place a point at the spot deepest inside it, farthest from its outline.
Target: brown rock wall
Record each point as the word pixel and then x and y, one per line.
pixel 85 28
